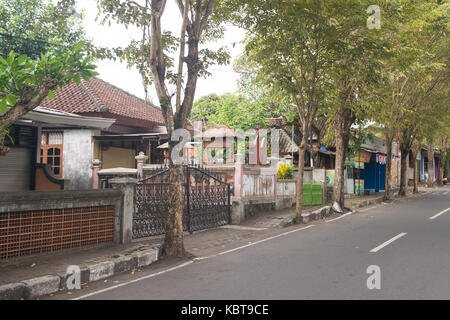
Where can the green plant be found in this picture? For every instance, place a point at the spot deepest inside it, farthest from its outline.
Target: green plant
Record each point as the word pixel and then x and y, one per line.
pixel 285 171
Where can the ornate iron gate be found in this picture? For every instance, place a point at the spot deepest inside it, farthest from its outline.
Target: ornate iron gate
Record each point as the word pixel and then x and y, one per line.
pixel 206 201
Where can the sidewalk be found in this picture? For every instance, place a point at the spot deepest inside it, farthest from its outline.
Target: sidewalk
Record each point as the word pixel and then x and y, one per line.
pixel 105 261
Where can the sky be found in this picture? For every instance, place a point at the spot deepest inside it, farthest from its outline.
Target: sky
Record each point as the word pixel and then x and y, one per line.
pixel 223 78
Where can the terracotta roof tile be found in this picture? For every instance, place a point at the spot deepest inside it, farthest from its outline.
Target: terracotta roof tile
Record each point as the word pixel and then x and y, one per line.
pixel 98 96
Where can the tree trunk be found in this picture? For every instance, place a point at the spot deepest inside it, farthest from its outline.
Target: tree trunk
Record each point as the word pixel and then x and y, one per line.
pixel 430 165
pixel 173 240
pixel 416 176
pixel 403 173
pixel 441 169
pixel 301 167
pixel 342 124
pixel 446 165
pixel 389 139
pixel 338 189
pixel 415 151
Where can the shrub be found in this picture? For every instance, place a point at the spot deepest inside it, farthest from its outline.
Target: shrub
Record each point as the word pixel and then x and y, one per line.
pixel 285 171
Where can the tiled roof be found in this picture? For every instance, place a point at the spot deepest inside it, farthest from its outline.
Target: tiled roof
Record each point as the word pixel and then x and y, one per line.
pixel 98 96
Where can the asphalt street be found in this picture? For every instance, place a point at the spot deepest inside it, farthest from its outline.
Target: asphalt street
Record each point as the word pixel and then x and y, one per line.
pixel 408 240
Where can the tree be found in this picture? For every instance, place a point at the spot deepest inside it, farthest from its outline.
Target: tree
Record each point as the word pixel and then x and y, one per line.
pixel 352 75
pixel 414 72
pixel 290 43
pixel 236 112
pixel 41 51
pixel 198 24
pixel 35 27
pixel 25 83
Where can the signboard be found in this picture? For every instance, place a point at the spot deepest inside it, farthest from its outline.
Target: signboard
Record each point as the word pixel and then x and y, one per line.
pixel 381 159
pixel 359 186
pixel 330 178
pixel 358 160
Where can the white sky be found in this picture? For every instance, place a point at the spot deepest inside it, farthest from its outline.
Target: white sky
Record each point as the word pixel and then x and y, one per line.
pixel 223 78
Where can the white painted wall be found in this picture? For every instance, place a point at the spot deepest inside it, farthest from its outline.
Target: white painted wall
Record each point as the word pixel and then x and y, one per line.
pixel 77 158
pixel 286 188
pixel 259 185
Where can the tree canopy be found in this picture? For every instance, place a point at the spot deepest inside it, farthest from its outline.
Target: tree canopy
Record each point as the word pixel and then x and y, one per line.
pixel 33 27
pixel 234 111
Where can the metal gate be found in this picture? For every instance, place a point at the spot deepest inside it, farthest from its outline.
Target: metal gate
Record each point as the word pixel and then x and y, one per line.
pixel 206 201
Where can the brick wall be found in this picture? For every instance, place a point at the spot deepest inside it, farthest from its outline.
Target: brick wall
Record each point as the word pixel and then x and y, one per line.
pixel 46 221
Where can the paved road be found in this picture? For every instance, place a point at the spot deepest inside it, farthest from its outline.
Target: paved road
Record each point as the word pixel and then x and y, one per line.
pixel 323 261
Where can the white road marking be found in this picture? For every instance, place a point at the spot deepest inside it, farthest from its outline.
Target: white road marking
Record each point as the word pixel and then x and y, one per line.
pixel 133 281
pixel 338 218
pixel 186 264
pixel 445 193
pixel 381 246
pixel 439 214
pixel 252 244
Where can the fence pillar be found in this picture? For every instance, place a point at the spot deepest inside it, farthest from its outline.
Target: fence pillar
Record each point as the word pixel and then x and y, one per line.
pixel 238 178
pixel 96 167
pixel 140 159
pixel 238 207
pixel 124 222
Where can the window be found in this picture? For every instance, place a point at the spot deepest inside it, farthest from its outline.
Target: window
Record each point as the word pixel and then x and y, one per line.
pixel 51 151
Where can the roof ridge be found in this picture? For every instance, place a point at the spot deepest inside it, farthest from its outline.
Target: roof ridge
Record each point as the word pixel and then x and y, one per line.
pixel 92 96
pixel 128 93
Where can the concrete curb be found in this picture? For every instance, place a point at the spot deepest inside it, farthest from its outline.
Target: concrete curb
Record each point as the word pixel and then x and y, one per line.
pixel 48 284
pixel 326 211
pixel 367 203
pixel 308 217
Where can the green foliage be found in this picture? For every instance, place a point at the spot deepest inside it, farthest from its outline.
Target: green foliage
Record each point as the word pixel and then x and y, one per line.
pixel 236 112
pixel 22 78
pixel 35 27
pixel 285 171
pixel 412 98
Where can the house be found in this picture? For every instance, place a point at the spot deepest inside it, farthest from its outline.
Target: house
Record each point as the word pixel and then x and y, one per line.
pixel 365 172
pixel 218 144
pixel 323 155
pixel 138 127
pixel 61 139
pixel 50 149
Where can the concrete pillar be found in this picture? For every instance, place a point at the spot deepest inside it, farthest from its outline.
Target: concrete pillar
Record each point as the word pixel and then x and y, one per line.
pixel 237 212
pixel 238 178
pixel 140 159
pixel 38 144
pixel 125 226
pixel 96 167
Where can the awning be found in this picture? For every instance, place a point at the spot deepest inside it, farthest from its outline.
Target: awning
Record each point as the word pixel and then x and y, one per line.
pixel 54 118
pixel 131 137
pixel 189 144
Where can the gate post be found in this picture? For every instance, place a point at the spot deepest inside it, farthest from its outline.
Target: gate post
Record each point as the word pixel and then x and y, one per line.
pixel 125 224
pixel 96 167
